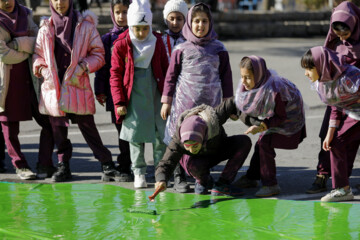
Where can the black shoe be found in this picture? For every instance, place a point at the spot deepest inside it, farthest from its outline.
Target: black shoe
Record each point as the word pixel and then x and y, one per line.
pixel 63 173
pixel 319 184
pixel 126 175
pixel 180 184
pixel 45 171
pixel 110 173
pixel 203 190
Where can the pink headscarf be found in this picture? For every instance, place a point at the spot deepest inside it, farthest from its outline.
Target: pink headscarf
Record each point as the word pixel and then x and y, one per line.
pixel 347 13
pixel 193 128
pixel 189 35
pixel 63 25
pixel 327 64
pixel 15 22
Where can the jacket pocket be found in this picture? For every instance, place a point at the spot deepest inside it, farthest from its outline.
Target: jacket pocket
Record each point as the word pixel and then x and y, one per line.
pixel 78 79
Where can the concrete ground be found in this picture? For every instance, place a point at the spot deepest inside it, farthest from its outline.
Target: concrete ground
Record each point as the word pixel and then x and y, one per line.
pixel 296 169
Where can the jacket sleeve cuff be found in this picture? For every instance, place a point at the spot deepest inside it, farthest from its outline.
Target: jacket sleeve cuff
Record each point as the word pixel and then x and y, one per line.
pixel 334 123
pixel 166 99
pixel 160 177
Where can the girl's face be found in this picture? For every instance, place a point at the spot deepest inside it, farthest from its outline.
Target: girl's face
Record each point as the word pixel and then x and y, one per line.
pixel 7 5
pixel 61 6
pixel 192 146
pixel 247 78
pixel 312 74
pixel 120 14
pixel 200 24
pixel 175 21
pixel 141 31
pixel 343 35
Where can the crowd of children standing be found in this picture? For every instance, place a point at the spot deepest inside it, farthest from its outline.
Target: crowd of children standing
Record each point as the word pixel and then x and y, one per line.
pixel 173 90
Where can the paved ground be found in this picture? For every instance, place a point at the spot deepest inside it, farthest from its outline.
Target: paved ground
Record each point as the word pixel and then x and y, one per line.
pixel 295 169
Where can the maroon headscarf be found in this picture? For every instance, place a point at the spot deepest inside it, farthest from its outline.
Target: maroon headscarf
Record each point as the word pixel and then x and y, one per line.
pixel 260 100
pixel 261 73
pixel 16 22
pixel 347 13
pixel 327 63
pixel 189 35
pixel 63 25
pixel 193 128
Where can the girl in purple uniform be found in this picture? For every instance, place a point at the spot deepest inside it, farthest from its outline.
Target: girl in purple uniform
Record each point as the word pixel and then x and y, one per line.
pixel 344 38
pixel 118 13
pixel 199 70
pixel 337 85
pixel 278 103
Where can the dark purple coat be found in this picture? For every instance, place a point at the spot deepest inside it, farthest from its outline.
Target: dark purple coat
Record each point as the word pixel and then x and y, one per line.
pixel 102 77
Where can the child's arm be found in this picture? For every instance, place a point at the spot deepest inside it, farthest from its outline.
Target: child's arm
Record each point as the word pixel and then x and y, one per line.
pixel 225 74
pixel 95 57
pixel 172 74
pixel 228 109
pixel 225 109
pixel 102 76
pixel 274 121
pixel 334 122
pixel 279 115
pixel 38 57
pixel 27 43
pixel 167 165
pixel 117 72
pixel 8 52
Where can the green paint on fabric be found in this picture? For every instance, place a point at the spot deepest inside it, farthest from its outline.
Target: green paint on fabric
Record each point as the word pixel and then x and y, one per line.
pixel 98 211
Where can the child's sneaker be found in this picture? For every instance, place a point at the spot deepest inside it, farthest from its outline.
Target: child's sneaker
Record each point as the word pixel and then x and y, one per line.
pixel 109 172
pixel 319 184
pixel 338 195
pixel 140 181
pixel 25 174
pixel 268 191
pixel 62 173
pixel 245 182
pixel 201 189
pixel 226 190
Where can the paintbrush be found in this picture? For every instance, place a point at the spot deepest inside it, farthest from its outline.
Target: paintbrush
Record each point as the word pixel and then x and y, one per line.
pixel 151 199
pixel 157 191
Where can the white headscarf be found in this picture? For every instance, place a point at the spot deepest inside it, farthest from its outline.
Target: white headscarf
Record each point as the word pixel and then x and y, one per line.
pixel 139 13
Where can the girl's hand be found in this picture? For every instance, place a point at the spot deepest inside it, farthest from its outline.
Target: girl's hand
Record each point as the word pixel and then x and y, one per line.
pixel 101 98
pixel 121 111
pixel 165 110
pixel 328 139
pixel 11 45
pixel 160 185
pixel 253 129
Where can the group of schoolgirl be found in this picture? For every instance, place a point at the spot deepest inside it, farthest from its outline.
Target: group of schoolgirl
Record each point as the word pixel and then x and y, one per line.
pixel 333 70
pixel 273 106
pixel 141 87
pixel 188 71
pixel 45 75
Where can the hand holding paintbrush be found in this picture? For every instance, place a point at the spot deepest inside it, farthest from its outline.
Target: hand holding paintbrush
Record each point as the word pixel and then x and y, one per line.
pixel 159 187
